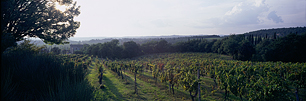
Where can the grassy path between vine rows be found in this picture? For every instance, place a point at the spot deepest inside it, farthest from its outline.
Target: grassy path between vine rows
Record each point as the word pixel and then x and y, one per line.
pixel 117 89
pixel 206 89
pixel 179 94
pixel 159 92
pixel 110 92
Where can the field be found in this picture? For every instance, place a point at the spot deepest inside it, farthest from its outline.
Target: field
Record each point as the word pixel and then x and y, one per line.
pixel 117 88
pixel 162 77
pixel 173 77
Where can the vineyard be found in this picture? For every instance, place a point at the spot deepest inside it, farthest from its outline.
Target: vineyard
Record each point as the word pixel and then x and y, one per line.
pixel 40 62
pixel 190 76
pixel 166 76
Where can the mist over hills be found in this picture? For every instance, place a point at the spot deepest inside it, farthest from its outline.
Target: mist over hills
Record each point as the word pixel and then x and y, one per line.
pixel 130 37
pixel 176 38
pixel 138 39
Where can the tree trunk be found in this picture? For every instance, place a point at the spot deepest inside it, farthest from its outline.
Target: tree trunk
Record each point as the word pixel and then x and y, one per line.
pixel 199 85
pixel 155 76
pixel 297 94
pixel 101 76
pixel 214 78
pixel 225 93
pixel 125 76
pixel 172 89
pixel 169 87
pixel 215 81
pixel 193 96
pixel 100 79
pixel 121 72
pixel 155 80
pixel 240 97
pixel 135 83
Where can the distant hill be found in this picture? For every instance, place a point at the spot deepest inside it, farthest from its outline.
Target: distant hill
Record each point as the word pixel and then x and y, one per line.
pixel 279 31
pixel 143 39
pixel 139 40
pixel 176 38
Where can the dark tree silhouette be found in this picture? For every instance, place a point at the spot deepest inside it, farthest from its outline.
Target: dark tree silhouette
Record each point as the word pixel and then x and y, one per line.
pixel 56 50
pixel 38 18
pixel 246 50
pixel 130 49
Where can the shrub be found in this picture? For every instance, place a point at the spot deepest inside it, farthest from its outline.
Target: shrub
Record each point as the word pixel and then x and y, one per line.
pixel 28 75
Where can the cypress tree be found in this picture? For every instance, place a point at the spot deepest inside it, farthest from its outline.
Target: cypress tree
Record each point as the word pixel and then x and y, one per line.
pixel 274 36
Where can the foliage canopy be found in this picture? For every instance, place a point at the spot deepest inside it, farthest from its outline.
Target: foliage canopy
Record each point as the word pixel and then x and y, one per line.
pixel 40 19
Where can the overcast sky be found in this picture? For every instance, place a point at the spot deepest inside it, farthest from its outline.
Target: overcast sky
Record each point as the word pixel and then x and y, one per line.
pixel 118 18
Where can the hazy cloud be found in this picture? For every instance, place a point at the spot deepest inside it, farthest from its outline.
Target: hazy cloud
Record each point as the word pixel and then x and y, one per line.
pixel 245 13
pixel 277 19
pixel 160 23
pixel 186 17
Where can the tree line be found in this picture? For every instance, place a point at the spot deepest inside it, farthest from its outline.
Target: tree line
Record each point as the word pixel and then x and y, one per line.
pixel 244 47
pixel 279 31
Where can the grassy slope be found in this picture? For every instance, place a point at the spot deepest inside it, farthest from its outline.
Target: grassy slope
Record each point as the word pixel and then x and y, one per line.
pixel 117 89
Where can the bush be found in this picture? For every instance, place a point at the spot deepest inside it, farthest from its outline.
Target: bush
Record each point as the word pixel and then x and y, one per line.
pixel 29 75
pixel 78 52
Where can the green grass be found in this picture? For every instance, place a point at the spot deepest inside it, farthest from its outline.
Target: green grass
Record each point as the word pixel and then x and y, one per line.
pixel 117 89
pixel 111 83
pixel 150 91
pixel 206 91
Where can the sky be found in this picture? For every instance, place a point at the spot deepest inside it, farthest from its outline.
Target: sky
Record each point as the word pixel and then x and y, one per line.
pixel 119 18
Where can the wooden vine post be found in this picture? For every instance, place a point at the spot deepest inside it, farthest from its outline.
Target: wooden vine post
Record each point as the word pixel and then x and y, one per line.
pixel 101 74
pixel 199 85
pixel 135 68
pixel 135 81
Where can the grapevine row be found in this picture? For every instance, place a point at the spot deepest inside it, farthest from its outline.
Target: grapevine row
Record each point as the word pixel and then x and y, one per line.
pixel 244 79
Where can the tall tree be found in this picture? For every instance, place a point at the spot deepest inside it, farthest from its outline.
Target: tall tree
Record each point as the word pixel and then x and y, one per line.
pixel 56 50
pixel 245 51
pixel 40 19
pixel 130 49
pixel 149 47
pixel 216 47
pixel 162 46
